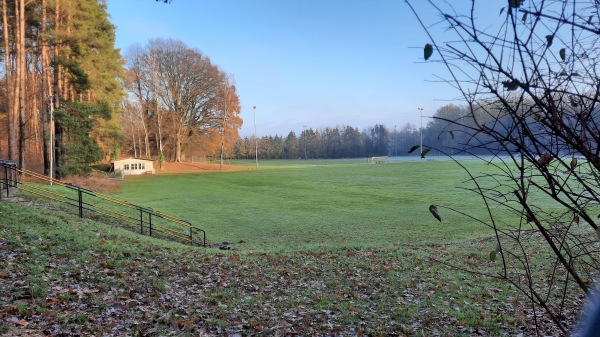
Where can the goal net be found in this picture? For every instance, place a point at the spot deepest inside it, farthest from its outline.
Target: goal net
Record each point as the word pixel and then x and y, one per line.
pixel 376 160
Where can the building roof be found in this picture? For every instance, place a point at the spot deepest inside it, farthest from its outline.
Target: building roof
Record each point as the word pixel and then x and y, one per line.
pixel 127 159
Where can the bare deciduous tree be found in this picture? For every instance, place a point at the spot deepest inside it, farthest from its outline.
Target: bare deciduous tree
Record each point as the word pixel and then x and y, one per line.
pixel 184 92
pixel 530 81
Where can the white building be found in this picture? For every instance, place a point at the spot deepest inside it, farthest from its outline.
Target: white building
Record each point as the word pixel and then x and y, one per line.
pixel 132 166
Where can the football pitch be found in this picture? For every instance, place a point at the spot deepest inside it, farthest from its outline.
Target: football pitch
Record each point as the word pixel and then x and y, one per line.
pixel 328 204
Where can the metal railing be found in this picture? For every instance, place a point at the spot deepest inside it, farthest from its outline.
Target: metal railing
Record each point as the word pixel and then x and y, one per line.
pixel 8 177
pixel 98 206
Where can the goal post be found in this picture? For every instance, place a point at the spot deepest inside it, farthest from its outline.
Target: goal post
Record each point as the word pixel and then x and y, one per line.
pixel 377 160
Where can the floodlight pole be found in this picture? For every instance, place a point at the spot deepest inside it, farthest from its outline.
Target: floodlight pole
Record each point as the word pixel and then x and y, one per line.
pixel 421 130
pixel 305 140
pixel 395 152
pixel 255 139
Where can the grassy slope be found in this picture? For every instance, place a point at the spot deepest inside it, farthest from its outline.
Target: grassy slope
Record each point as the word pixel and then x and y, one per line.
pixel 61 274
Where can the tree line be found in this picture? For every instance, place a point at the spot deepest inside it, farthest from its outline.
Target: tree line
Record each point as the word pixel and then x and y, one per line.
pixel 330 142
pixel 447 132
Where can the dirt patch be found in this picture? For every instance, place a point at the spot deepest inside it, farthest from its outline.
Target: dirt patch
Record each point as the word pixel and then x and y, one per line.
pixel 96 182
pixel 174 168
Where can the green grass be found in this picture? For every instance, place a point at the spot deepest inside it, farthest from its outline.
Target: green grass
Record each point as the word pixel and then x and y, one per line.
pixel 74 274
pixel 343 248
pixel 288 206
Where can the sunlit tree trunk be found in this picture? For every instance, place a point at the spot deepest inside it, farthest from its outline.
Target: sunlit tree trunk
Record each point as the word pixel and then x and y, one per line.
pixel 13 154
pixel 146 137
pixel 8 76
pixel 158 114
pixel 57 83
pixel 135 154
pixel 144 120
pixel 178 139
pixel 131 116
pixel 67 89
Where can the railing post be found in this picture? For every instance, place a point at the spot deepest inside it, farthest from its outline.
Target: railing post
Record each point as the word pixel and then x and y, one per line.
pixel 4 181
pixel 8 182
pixel 141 220
pixel 150 222
pixel 80 195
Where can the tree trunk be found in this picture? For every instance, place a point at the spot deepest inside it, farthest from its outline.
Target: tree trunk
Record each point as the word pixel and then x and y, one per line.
pixel 33 103
pixel 8 76
pixel 57 149
pixel 158 116
pixel 20 14
pixel 67 88
pixel 55 144
pixel 160 144
pixel 145 126
pixel 178 146
pixel 15 89
pixel 46 98
pixel 146 137
pixel 135 154
pixel 140 144
pixel 57 68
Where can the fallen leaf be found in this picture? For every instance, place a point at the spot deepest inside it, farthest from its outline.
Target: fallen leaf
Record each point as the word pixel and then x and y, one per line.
pixel 51 300
pixel 22 323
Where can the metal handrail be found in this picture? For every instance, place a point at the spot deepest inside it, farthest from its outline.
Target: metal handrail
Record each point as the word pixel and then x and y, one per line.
pixel 87 201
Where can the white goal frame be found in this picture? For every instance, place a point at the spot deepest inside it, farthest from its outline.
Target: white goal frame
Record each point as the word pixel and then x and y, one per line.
pixel 378 160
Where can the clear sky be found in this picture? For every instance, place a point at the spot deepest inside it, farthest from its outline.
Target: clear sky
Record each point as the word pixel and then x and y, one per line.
pixel 312 63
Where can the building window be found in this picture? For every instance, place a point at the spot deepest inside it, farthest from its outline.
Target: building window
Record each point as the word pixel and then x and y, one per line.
pixel 126 167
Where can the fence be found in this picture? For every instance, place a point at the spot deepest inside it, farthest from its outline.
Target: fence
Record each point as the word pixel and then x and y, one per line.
pixel 8 178
pixel 98 206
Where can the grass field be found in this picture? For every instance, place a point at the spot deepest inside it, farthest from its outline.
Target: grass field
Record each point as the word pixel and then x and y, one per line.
pixel 288 205
pixel 335 248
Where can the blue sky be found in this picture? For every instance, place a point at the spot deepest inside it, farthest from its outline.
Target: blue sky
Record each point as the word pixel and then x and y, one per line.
pixel 312 63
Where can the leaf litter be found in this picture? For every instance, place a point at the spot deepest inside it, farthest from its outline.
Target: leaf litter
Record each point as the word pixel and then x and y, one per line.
pixel 56 291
